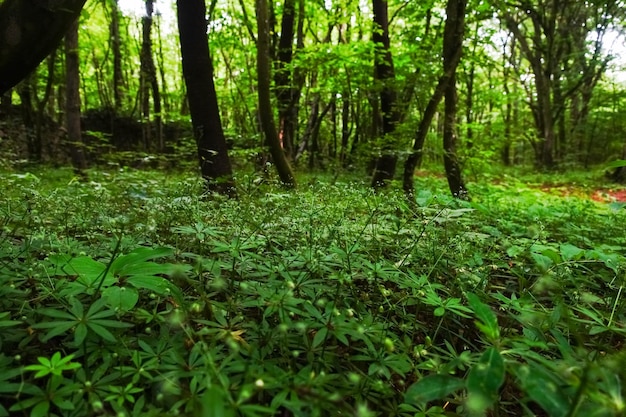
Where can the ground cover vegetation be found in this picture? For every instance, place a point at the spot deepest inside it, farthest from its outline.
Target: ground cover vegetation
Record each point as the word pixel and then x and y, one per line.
pixel 131 295
pixel 236 236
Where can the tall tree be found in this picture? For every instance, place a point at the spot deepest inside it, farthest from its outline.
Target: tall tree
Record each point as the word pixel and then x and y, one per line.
pixel 384 74
pixel 451 61
pixel 205 117
pixel 72 106
pixel 452 47
pixel 553 37
pixel 287 92
pixel 265 106
pixel 29 31
pixel 116 47
pixel 148 81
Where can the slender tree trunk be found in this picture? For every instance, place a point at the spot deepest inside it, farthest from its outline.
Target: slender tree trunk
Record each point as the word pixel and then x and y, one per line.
pixel 452 47
pixel 116 44
pixel 282 79
pixel 149 82
pixel 33 145
pixel 205 117
pixel 72 106
pixel 265 106
pixel 384 73
pixel 452 57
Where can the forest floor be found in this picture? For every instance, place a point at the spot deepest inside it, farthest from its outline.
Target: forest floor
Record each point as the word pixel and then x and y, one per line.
pixel 130 294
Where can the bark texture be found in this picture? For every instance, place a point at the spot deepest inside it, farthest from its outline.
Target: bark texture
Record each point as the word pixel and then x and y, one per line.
pixel 265 107
pixel 384 73
pixel 205 117
pixel 29 31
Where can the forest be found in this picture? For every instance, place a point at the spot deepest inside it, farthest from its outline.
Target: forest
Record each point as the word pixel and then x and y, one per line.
pixel 312 208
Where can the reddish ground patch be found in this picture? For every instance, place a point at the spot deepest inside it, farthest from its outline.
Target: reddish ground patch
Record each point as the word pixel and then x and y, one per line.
pixel 609 196
pixel 602 195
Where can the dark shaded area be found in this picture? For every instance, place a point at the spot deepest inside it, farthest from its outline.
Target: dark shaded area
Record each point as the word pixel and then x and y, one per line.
pixel 108 138
pixel 29 31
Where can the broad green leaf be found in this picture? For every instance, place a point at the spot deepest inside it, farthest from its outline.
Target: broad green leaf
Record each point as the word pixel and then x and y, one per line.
pixel 514 251
pixel 484 381
pixel 156 284
pixel 570 252
pixel 138 256
pixel 488 322
pixel 121 298
pixel 542 261
pixel 433 387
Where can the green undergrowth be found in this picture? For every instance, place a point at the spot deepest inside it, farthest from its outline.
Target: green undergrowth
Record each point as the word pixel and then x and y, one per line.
pixel 129 295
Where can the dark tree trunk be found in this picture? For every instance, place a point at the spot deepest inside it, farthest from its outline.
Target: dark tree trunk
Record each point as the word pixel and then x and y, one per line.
pixel 116 44
pixel 33 145
pixel 198 72
pixel 450 159
pixel 452 47
pixel 29 31
pixel 265 106
pixel 149 83
pixel 6 101
pixel 286 94
pixel 72 103
pixel 384 73
pixel 451 61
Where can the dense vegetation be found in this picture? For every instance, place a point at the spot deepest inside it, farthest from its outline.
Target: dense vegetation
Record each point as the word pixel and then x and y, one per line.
pixel 301 274
pixel 130 295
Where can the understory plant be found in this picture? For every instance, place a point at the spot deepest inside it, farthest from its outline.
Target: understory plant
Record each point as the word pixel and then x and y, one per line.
pixel 327 301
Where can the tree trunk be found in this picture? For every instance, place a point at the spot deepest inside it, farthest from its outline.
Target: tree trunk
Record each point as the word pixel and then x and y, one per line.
pixel 450 158
pixel 29 31
pixel 198 73
pixel 285 92
pixel 451 61
pixel 452 48
pixel 72 103
pixel 116 43
pixel 265 106
pixel 149 82
pixel 384 73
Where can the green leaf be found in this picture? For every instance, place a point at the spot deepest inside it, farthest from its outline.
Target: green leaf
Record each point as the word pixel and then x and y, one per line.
pixel 213 403
pixel 542 261
pixel 80 333
pixel 488 322
pixel 121 298
pixel 571 252
pixel 543 389
pixel 101 331
pixel 320 337
pixel 40 410
pixel 484 381
pixel 155 284
pixel 138 256
pixel 433 387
